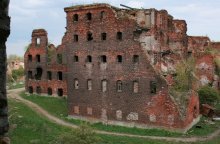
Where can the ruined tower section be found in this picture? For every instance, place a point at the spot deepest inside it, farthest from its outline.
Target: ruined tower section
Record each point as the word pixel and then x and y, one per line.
pixel 44 75
pixel 206 54
pixel 113 57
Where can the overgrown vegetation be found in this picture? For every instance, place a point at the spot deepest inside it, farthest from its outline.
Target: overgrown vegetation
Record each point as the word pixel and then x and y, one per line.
pixel 15 85
pixel 184 75
pixel 217 64
pixel 50 54
pixel 82 135
pixel 208 95
pixel 16 74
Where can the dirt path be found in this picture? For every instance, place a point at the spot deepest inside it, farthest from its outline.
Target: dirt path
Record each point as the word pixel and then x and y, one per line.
pixel 14 94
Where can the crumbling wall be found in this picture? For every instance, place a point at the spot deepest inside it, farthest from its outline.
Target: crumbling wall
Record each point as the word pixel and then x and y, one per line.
pixel 47 66
pixel 146 33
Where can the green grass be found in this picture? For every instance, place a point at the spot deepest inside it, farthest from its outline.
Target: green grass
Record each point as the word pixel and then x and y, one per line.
pixel 15 85
pixel 27 127
pixel 58 107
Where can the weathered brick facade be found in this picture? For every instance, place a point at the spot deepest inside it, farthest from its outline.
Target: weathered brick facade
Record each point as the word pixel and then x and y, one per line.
pixel 115 66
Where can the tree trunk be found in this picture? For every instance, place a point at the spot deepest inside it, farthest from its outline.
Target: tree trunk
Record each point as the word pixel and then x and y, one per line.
pixel 4 33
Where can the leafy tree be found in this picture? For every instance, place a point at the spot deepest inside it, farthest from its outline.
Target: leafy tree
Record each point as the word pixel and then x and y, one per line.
pixel 83 135
pixel 14 58
pixel 16 74
pixel 184 75
pixel 208 95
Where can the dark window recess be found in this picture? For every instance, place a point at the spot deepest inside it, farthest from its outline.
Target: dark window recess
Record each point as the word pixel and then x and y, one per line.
pixel 89 59
pixel 119 58
pixel 49 75
pixel 30 75
pixel 30 58
pixel 119 86
pixel 60 92
pixel 76 38
pixel 119 35
pixel 89 16
pixel 103 59
pixel 76 59
pixel 38 90
pixel 39 73
pixel 104 36
pixel 38 41
pixel 49 91
pixel 189 53
pixel 102 14
pixel 135 59
pixel 75 17
pixel 30 90
pixel 89 36
pixel 153 87
pixel 60 76
pixel 59 58
pixel 38 58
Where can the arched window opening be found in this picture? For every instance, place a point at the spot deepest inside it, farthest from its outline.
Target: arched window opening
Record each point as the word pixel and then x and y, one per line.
pixel 135 59
pixel 89 59
pixel 119 59
pixel 60 75
pixel 119 86
pixel 38 41
pixel 39 72
pixel 89 84
pixel 104 85
pixel 135 86
pixel 119 35
pixel 89 36
pixel 103 59
pixel 30 58
pixel 60 92
pixel 75 38
pixel 75 17
pixel 30 75
pixel 49 75
pixel 153 87
pixel 76 59
pixel 30 90
pixel 38 90
pixel 103 36
pixel 102 15
pixel 49 91
pixel 59 58
pixel 89 16
pixel 76 83
pixel 38 58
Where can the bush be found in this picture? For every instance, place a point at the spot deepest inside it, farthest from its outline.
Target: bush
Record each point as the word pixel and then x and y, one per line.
pixel 184 75
pixel 83 135
pixel 208 95
pixel 16 74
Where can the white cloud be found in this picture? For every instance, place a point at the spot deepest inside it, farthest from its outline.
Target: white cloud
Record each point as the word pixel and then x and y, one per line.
pixel 136 4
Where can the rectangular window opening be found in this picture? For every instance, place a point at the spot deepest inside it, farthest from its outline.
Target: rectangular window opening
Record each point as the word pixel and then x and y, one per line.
pixel 153 87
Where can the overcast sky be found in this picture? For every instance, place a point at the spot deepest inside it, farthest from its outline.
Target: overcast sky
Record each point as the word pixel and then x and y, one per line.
pixel 202 17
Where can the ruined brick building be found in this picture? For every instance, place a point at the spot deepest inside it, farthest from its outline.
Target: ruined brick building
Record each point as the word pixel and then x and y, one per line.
pixel 115 66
